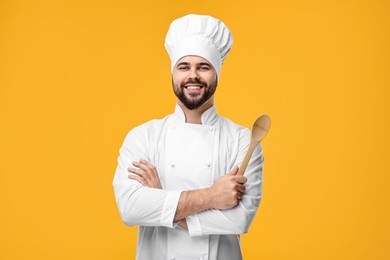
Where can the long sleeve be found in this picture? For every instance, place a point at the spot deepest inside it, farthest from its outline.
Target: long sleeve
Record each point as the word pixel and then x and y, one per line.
pixel 238 219
pixel 139 205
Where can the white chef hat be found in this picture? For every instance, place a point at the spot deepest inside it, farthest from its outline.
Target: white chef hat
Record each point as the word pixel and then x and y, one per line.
pixel 198 35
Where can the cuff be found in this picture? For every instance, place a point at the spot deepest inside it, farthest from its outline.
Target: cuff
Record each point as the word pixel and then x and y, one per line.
pixel 169 209
pixel 193 225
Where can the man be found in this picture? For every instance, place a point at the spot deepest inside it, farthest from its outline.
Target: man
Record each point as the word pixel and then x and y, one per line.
pixel 176 177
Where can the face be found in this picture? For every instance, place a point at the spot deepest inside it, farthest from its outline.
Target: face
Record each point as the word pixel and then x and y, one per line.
pixel 194 81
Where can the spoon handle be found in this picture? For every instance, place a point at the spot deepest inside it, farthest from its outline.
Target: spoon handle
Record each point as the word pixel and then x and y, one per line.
pixel 247 157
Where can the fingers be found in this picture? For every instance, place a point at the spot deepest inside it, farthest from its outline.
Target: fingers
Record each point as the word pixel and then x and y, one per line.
pixel 138 172
pixel 138 178
pixel 146 166
pixel 145 169
pixel 137 175
pixel 234 171
pixel 241 189
pixel 240 193
pixel 145 173
pixel 241 179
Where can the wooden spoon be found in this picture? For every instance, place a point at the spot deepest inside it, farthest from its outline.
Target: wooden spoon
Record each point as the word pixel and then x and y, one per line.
pixel 259 130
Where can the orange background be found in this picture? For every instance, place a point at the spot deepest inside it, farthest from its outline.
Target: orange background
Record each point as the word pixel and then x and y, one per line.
pixel 76 76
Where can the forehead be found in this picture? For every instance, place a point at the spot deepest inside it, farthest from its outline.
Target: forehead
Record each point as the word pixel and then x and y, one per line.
pixel 192 59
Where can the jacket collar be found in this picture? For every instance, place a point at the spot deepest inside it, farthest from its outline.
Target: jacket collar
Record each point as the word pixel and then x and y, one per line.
pixel 209 117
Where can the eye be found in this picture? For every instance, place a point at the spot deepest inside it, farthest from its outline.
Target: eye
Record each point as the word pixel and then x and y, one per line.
pixel 183 68
pixel 204 68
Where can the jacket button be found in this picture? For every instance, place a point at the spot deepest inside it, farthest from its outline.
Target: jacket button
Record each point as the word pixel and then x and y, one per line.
pixel 172 165
pixel 208 165
pixel 172 258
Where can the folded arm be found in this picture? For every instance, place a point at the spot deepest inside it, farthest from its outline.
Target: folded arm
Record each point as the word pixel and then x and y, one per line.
pixel 227 207
pixel 137 203
pixel 226 193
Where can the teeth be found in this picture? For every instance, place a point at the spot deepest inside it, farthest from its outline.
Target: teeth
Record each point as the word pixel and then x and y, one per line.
pixel 193 87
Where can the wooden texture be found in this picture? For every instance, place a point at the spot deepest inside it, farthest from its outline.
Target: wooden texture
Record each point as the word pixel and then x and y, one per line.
pixel 259 131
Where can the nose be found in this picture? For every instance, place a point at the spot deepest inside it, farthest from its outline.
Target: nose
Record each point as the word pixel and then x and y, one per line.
pixel 193 73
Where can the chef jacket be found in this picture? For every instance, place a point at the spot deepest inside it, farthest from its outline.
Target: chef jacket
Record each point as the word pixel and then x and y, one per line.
pixel 187 157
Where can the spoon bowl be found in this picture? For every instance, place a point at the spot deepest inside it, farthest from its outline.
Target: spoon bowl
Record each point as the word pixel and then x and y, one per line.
pixel 260 128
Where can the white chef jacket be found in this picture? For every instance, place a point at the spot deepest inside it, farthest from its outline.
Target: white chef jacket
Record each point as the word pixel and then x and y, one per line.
pixel 187 157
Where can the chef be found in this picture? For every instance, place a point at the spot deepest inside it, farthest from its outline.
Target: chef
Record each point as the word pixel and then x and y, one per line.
pixel 176 177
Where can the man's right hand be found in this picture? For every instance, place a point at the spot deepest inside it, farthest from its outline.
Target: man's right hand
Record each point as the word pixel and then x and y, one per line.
pixel 227 191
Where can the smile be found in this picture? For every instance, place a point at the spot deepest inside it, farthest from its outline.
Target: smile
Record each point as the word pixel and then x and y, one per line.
pixel 193 86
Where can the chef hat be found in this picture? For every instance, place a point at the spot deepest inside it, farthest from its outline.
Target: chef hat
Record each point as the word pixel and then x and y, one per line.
pixel 199 35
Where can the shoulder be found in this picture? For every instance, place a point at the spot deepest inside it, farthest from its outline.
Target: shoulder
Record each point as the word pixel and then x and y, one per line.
pixel 148 129
pixel 233 129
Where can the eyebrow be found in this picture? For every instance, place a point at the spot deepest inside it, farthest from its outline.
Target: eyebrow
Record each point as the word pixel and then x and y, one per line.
pixel 198 64
pixel 183 63
pixel 203 63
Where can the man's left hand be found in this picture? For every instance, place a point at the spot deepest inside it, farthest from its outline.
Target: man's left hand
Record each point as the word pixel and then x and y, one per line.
pixel 183 223
pixel 145 173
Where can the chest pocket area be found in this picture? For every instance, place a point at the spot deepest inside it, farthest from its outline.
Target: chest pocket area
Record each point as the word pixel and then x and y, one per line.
pixel 189 157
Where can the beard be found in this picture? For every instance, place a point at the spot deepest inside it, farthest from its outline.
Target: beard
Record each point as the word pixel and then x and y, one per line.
pixel 194 100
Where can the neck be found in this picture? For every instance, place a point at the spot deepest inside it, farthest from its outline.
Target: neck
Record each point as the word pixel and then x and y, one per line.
pixel 195 116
